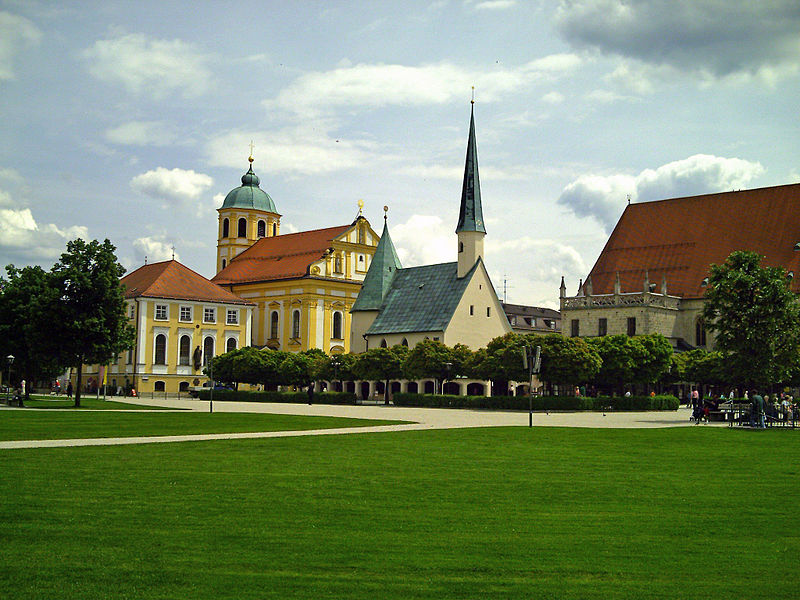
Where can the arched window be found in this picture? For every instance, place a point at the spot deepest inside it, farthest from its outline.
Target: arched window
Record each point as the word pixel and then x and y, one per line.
pixel 262 229
pixel 274 229
pixel 273 325
pixel 231 345
pixel 460 246
pixel 337 264
pixel 405 342
pixel 159 386
pixel 183 386
pixel 225 227
pixel 161 350
pixel 208 350
pixel 700 333
pixel 242 233
pixel 224 262
pixel 185 347
pixel 337 325
pixel 296 324
pixel 383 343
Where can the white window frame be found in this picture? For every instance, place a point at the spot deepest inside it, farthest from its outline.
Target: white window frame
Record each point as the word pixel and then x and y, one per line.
pixel 181 318
pixel 166 312
pixel 206 309
pixel 232 316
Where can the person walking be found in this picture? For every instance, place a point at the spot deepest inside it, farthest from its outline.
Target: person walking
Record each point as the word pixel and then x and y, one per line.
pixel 69 390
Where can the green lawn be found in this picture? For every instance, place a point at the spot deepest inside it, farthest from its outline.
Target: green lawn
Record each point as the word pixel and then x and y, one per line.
pixel 68 424
pixel 485 513
pixel 62 402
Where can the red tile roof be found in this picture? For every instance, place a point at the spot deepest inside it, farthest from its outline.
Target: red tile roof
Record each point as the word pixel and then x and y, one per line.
pixel 170 279
pixel 682 237
pixel 286 256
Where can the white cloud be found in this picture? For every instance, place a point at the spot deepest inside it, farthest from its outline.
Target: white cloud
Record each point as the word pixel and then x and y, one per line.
pixel 603 197
pixel 23 241
pixel 495 5
pixel 553 98
pixel 175 184
pixel 533 268
pixel 154 248
pixel 706 38
pixel 150 66
pixel 142 133
pixel 16 34
pixel 377 85
pixel 424 240
pixel 300 150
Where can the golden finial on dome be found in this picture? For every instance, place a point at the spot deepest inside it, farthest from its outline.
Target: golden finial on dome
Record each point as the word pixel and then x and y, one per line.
pixel 250 158
pixel 473 95
pixel 360 207
pixel 385 211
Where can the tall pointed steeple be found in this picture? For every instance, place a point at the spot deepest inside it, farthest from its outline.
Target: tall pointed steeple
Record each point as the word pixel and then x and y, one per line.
pixel 470 216
pixel 470 227
pixel 382 269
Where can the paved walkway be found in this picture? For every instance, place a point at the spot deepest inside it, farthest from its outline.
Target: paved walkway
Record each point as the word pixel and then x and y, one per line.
pixel 418 418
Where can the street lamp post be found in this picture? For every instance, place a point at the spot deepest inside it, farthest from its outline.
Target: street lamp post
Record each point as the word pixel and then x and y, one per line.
pixel 447 367
pixel 211 377
pixel 335 364
pixel 10 361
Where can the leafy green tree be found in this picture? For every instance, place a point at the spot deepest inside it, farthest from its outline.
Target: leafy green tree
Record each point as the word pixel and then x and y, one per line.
pixel 704 367
pixel 222 367
pixel 25 329
pixel 381 364
pixel 567 360
pixel 89 307
pixel 429 358
pixel 619 354
pixel 338 367
pixel 654 359
pixel 755 318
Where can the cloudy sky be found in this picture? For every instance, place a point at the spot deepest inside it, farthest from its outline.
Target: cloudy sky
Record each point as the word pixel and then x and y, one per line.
pixel 132 120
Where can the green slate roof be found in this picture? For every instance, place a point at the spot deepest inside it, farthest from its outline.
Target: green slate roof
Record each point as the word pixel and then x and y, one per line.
pixel 249 195
pixel 470 216
pixel 379 276
pixel 421 299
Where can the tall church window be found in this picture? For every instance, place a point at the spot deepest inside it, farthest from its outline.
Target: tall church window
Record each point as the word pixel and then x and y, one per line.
pixel 208 350
pixel 231 344
pixel 337 325
pixel 184 350
pixel 602 327
pixel 360 235
pixel 405 342
pixel 337 264
pixel 296 324
pixel 262 229
pixel 161 350
pixel 224 262
pixel 273 325
pixel 575 327
pixel 699 333
pixel 383 343
pixel 460 246
pixel 274 229
pixel 225 228
pixel 242 233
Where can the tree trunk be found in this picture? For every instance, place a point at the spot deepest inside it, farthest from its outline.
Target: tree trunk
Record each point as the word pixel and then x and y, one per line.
pixel 386 393
pixel 78 384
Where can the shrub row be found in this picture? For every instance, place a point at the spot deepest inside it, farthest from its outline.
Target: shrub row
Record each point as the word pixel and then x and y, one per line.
pixel 272 396
pixel 631 403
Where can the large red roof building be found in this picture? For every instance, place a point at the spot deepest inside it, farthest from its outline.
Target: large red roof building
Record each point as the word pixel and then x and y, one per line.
pixel 651 275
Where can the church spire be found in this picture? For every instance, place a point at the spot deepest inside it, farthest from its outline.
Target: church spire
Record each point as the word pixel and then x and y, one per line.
pixel 470 229
pixel 470 216
pixel 382 269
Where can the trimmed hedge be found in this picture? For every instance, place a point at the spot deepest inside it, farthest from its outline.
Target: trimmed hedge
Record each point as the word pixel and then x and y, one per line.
pixel 572 403
pixel 272 396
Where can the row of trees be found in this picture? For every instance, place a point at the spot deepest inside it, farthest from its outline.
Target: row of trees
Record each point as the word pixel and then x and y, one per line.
pixel 609 363
pixel 69 316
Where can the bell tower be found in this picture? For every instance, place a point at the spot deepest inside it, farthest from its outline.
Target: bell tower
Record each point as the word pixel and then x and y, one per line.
pixel 470 229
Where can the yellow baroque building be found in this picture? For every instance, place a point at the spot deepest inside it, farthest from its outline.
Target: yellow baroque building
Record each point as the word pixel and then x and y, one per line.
pixel 303 284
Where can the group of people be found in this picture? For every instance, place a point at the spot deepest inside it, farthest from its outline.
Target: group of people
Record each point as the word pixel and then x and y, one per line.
pixel 780 407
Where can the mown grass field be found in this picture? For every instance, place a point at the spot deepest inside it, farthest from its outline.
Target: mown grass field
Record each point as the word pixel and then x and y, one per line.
pixel 483 513
pixel 90 403
pixel 69 424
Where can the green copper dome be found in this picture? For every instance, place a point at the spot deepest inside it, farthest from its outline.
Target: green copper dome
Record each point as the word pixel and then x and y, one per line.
pixel 249 195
